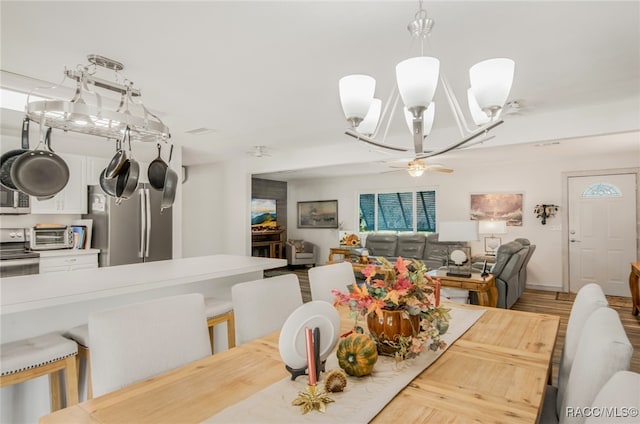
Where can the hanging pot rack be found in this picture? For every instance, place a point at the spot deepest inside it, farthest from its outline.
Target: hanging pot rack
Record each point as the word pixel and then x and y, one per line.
pixel 97 120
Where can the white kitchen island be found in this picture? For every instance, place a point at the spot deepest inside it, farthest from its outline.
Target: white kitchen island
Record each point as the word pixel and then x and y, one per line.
pixel 36 304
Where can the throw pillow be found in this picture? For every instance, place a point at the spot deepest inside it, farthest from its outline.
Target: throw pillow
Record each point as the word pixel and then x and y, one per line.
pixel 298 244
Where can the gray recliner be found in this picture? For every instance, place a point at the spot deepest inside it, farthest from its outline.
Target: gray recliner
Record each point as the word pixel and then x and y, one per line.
pixel 522 275
pixel 509 259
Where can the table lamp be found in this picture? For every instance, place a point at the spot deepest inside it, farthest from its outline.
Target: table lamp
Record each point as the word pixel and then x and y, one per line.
pixel 492 227
pixel 458 257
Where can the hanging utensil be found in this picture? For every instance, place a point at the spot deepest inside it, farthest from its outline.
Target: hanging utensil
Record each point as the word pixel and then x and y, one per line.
pixel 157 171
pixel 8 158
pixel 170 185
pixel 40 172
pixel 117 162
pixel 127 179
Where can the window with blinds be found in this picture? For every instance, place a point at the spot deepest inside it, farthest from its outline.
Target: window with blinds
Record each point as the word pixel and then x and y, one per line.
pixel 402 211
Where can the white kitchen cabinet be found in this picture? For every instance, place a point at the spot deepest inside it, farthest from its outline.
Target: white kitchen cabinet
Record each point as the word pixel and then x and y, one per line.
pixel 69 260
pixel 73 198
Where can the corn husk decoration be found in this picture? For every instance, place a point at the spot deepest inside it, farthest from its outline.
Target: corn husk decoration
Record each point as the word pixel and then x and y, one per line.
pixel 312 398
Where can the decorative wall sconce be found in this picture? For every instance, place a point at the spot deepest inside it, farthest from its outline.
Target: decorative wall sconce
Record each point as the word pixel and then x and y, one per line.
pixel 545 211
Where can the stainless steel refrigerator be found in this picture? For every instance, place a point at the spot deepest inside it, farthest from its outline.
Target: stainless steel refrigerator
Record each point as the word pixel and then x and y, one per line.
pixel 133 231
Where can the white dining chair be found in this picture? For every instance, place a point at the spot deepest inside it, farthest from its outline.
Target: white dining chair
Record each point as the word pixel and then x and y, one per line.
pixel 603 350
pixel 618 400
pixel 262 306
pixel 589 298
pixel 141 340
pixel 323 279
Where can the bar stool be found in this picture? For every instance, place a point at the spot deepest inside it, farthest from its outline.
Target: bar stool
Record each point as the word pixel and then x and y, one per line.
pixel 219 311
pixel 26 359
pixel 80 335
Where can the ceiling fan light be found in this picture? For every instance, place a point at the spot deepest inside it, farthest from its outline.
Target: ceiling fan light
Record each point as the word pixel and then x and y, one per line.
pixel 370 121
pixel 356 95
pixel 417 79
pixel 427 119
pixel 415 172
pixel 491 82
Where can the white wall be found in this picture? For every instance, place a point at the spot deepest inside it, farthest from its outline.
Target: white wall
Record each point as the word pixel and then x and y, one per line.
pixel 540 183
pixel 217 201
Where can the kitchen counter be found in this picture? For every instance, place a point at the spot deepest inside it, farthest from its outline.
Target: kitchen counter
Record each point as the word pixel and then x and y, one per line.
pixel 66 252
pixel 37 304
pixel 30 292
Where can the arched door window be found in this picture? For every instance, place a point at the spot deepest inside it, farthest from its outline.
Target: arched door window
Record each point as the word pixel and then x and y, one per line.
pixel 602 190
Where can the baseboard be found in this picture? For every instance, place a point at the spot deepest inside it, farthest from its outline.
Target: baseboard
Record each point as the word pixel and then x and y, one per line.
pixel 545 287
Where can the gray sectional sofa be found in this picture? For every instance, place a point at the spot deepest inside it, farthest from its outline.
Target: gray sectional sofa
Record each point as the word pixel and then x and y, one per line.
pixel 410 246
pixel 509 269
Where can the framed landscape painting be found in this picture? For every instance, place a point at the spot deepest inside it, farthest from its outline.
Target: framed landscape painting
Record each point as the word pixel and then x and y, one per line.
pixel 498 206
pixel 318 214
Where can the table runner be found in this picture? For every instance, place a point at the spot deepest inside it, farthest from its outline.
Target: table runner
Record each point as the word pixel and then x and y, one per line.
pixel 363 397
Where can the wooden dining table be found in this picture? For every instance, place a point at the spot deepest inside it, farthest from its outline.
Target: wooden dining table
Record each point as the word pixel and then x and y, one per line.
pixel 495 372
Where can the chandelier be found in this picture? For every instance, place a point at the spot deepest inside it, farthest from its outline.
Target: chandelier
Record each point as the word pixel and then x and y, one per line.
pixel 416 80
pixel 86 113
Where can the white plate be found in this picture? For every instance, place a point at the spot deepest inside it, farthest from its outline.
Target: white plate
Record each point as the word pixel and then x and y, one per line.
pixel 292 342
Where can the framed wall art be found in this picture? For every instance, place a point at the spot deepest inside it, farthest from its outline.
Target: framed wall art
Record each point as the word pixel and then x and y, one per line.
pixel 497 206
pixel 318 214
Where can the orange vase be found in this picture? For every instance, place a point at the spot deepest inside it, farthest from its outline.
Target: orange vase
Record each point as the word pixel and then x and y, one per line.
pixel 388 327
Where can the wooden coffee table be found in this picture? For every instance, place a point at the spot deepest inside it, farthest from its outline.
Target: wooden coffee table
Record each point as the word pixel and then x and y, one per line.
pixel 484 286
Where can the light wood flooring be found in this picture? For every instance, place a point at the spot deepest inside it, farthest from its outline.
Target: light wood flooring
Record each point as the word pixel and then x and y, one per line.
pixel 540 301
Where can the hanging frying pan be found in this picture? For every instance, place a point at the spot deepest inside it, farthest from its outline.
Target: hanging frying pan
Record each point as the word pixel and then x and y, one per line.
pixel 40 172
pixel 157 171
pixel 108 185
pixel 117 162
pixel 8 158
pixel 127 179
pixel 170 186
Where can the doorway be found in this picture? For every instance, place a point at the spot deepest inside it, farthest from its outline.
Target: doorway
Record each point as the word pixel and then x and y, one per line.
pixel 602 230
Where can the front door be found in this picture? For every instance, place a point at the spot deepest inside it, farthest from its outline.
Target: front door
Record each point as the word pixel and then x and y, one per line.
pixel 602 231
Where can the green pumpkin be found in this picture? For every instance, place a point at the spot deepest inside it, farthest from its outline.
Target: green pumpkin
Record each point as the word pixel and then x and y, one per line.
pixel 357 354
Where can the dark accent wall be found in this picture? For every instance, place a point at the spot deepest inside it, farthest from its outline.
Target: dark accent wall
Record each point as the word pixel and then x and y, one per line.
pixel 268 189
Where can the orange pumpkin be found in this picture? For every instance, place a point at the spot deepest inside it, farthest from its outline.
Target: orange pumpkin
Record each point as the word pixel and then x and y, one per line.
pixel 357 354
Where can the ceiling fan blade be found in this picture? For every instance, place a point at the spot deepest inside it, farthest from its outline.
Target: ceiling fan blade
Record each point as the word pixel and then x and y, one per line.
pixel 366 139
pixel 438 169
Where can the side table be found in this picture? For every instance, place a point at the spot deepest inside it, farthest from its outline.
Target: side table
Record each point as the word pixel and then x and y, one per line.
pixel 484 286
pixel 345 251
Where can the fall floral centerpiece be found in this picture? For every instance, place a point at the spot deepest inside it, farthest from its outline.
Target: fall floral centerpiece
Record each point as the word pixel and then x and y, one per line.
pixel 350 239
pixel 402 311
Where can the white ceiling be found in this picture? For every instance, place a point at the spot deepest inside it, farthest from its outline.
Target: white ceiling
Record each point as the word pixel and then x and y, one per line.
pixel 266 73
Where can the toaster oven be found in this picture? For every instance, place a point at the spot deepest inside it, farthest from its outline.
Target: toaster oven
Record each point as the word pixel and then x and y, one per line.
pixel 46 238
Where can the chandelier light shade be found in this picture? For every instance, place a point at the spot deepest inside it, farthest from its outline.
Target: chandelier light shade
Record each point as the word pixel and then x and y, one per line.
pixel 356 95
pixel 491 82
pixel 417 80
pixel 370 121
pixel 427 119
pixel 478 115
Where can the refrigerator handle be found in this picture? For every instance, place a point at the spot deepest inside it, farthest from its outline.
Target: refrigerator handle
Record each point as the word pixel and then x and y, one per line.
pixel 142 223
pixel 147 197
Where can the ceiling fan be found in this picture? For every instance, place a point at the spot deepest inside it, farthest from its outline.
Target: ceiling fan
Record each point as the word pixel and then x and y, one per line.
pixel 259 152
pixel 417 167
